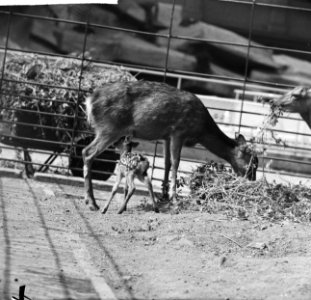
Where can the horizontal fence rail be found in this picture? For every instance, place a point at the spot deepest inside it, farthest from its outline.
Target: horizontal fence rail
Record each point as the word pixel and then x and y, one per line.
pixel 45 141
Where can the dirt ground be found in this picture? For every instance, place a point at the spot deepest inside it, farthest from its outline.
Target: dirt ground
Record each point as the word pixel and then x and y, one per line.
pixel 59 249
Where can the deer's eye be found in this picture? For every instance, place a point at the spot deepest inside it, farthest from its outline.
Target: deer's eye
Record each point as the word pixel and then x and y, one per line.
pixel 247 150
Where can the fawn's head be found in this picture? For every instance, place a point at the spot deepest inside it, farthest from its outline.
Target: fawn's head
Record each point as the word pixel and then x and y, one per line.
pixel 125 145
pixel 245 160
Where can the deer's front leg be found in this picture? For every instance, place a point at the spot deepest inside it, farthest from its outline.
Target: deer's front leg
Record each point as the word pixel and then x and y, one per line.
pixel 167 167
pixel 175 147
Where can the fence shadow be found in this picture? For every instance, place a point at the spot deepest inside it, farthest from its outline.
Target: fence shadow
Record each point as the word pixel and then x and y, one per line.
pixel 62 279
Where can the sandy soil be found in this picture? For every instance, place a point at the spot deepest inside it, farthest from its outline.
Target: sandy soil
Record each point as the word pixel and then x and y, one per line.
pixel 143 255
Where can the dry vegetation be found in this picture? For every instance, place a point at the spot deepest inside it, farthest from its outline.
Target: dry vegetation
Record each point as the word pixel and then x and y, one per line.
pixel 49 86
pixel 216 189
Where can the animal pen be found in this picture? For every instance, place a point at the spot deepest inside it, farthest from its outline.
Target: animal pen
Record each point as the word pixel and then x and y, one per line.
pixel 52 57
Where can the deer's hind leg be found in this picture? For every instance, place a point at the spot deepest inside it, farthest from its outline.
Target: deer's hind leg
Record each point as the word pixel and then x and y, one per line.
pixel 175 147
pixel 167 167
pixel 89 153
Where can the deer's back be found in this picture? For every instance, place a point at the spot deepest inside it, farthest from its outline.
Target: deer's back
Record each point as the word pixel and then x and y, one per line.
pixel 150 110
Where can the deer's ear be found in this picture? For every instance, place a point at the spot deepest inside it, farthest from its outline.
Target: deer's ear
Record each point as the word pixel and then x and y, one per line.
pixel 241 140
pixel 304 92
pixel 135 144
pixel 119 142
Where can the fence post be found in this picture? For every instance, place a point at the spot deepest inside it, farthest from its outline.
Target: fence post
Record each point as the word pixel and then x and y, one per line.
pixel 250 32
pixel 4 56
pixel 76 112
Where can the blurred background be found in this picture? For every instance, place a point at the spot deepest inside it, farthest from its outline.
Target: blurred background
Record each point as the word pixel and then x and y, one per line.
pixel 228 52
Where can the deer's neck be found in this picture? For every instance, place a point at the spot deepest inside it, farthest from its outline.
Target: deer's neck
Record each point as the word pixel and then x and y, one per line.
pixel 219 143
pixel 307 118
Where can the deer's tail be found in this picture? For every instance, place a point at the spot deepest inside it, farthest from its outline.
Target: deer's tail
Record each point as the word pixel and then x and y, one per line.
pixel 88 105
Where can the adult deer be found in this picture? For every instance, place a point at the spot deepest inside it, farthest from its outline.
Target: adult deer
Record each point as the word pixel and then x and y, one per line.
pixel 297 100
pixel 157 111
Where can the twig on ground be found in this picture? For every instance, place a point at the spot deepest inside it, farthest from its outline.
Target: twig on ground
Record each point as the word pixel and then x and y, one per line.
pixel 230 239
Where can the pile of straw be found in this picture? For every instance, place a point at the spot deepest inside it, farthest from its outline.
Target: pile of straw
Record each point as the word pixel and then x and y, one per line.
pixel 218 190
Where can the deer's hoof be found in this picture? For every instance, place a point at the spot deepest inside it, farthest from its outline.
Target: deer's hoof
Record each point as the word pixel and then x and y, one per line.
pixel 86 201
pixel 164 198
pixel 104 210
pixel 93 207
pixel 121 211
pixel 156 210
pixel 29 172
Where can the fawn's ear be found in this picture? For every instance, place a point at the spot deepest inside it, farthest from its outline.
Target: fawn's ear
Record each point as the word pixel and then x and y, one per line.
pixel 127 139
pixel 241 140
pixel 134 144
pixel 119 142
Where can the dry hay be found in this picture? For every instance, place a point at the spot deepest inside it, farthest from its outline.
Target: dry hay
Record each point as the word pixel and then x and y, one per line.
pixel 216 189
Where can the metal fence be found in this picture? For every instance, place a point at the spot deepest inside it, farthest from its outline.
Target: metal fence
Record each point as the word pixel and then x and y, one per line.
pixel 239 113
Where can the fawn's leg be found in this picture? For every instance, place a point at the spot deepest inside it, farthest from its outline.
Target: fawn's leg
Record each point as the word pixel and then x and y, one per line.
pixel 98 145
pixel 131 190
pixel 175 147
pixel 148 183
pixel 114 191
pixel 167 167
pixel 126 190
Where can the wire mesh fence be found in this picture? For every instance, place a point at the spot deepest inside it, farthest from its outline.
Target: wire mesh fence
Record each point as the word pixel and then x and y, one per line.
pixel 229 52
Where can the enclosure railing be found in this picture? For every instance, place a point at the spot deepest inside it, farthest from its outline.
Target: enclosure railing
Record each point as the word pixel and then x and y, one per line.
pixel 243 84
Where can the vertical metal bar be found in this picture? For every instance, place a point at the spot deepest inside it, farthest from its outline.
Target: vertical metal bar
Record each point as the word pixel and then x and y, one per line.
pixel 250 32
pixel 179 82
pixel 169 40
pixel 7 239
pixel 250 28
pixel 5 55
pixel 76 112
pixel 164 77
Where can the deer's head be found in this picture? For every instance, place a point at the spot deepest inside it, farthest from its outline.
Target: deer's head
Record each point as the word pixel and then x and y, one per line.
pixel 245 160
pixel 297 100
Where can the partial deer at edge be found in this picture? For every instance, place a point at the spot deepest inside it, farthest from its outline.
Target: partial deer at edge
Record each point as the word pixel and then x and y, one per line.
pixel 131 166
pixel 297 100
pixel 157 111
